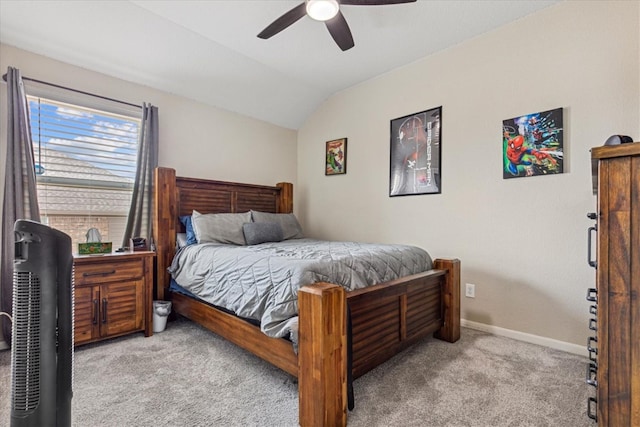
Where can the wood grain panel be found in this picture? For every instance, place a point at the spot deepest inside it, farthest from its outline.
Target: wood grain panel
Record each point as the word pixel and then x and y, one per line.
pixel 205 202
pixel 366 316
pixel 388 318
pixel 257 202
pixel 451 299
pixel 103 272
pixel 218 201
pixel 285 201
pixel 602 278
pixel 84 315
pixel 619 333
pixel 386 335
pixel 366 344
pixel 322 376
pixel 208 196
pixel 634 256
pixel 422 320
pixel 166 224
pixel 428 297
pixel 122 301
pixel 618 259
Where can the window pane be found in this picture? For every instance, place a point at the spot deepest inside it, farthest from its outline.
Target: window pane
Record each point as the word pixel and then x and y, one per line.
pixel 85 167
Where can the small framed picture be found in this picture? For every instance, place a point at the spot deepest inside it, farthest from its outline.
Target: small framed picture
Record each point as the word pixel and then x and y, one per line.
pixel 336 157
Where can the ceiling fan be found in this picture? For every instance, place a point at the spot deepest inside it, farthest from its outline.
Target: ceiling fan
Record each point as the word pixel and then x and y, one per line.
pixel 327 11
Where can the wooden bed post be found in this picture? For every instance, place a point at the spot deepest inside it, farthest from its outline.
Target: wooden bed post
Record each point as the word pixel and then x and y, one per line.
pixel 164 224
pixel 285 200
pixel 322 355
pixel 451 330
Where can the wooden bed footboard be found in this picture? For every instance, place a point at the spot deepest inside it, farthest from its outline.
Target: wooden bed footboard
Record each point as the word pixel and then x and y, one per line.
pixel 389 317
pixel 385 318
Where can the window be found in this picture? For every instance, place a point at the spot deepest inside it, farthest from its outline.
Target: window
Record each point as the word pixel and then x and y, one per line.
pixel 85 161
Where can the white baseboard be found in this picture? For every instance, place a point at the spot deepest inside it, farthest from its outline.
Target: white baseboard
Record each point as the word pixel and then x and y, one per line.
pixel 580 350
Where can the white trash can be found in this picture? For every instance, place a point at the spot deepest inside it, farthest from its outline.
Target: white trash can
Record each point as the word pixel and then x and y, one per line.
pixel 161 310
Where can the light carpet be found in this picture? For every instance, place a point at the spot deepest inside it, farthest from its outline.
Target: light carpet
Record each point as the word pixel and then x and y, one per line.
pixel 188 376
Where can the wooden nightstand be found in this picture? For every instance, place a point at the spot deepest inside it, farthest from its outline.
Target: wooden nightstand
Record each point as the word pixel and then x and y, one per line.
pixel 113 295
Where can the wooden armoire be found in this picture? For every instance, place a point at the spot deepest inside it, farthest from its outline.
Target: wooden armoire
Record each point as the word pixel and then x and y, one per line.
pixel 614 346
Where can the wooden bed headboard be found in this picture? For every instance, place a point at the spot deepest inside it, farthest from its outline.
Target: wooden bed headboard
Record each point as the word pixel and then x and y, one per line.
pixel 176 196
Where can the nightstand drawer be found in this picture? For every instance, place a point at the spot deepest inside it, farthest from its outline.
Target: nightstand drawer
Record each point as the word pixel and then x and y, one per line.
pixel 95 273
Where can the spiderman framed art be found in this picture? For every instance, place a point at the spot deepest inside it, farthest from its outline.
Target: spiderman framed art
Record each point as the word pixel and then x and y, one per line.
pixel 533 144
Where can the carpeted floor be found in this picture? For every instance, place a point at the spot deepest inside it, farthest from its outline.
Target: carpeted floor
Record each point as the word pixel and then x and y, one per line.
pixel 187 376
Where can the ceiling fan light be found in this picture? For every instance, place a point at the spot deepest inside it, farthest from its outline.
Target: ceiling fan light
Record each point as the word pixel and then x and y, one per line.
pixel 322 10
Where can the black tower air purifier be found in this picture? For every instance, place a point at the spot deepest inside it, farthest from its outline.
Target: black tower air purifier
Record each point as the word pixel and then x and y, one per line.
pixel 42 334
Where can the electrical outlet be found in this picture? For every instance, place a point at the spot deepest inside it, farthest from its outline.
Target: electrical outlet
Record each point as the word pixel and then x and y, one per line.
pixel 470 290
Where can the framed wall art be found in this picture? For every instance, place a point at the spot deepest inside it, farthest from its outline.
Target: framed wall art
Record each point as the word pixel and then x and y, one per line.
pixel 533 145
pixel 336 157
pixel 416 154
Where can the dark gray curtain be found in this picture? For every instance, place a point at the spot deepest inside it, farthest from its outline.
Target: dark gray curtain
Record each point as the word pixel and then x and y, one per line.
pixel 139 222
pixel 20 193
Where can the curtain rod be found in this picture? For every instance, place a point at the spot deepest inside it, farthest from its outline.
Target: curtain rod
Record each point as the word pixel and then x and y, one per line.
pixel 4 77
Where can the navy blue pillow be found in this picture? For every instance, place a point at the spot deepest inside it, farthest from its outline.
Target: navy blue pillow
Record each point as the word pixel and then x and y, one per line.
pixel 191 235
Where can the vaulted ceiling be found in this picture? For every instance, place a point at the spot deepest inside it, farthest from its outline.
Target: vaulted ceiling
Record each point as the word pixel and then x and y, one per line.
pixel 208 50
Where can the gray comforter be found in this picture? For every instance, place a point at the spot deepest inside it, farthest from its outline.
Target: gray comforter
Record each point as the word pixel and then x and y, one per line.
pixel 260 282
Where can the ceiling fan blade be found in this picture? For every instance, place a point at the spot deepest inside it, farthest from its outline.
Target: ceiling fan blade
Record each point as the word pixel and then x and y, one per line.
pixel 339 30
pixel 374 2
pixel 284 21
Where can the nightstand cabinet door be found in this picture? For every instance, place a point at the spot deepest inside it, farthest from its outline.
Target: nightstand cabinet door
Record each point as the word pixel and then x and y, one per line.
pixel 121 308
pixel 86 312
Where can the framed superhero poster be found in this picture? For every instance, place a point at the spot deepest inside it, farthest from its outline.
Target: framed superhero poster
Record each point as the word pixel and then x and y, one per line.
pixel 416 154
pixel 336 157
pixel 533 145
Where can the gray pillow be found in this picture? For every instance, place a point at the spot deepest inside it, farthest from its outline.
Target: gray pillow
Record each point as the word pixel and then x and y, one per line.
pixel 220 228
pixel 261 232
pixel 290 226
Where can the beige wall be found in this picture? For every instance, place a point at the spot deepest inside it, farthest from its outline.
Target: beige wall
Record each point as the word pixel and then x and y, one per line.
pixel 522 242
